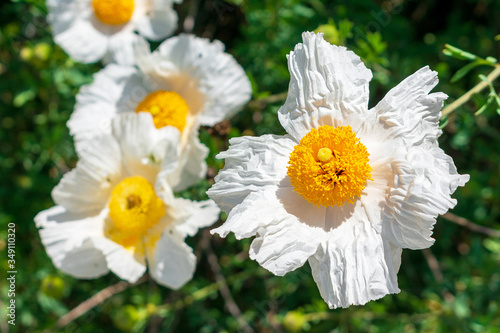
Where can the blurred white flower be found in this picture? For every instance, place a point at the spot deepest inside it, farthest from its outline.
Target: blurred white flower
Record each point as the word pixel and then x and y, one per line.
pixel 347 188
pixel 89 30
pixel 186 83
pixel 116 210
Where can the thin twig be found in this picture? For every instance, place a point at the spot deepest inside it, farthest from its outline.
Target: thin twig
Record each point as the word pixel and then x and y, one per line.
pixel 433 265
pixel 205 292
pixel 231 305
pixel 262 102
pixel 95 300
pixel 477 89
pixel 471 225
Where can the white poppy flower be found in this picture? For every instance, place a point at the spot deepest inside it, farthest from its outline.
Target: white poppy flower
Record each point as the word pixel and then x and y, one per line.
pixel 347 188
pixel 186 83
pixel 116 210
pixel 89 30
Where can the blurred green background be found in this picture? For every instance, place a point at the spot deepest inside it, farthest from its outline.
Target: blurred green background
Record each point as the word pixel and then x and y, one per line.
pixel 38 83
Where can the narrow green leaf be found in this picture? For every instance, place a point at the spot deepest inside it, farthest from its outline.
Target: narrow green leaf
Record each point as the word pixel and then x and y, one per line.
pixel 464 70
pixel 486 105
pixel 458 53
pixel 445 122
pixel 491 60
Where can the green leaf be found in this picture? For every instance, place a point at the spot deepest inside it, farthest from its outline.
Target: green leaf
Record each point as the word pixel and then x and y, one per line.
pixel 466 69
pixel 483 108
pixel 491 60
pixel 445 122
pixel 458 53
pixel 23 97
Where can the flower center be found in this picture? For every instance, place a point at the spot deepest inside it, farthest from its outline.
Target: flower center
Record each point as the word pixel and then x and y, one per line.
pixel 329 166
pixel 113 12
pixel 167 107
pixel 134 208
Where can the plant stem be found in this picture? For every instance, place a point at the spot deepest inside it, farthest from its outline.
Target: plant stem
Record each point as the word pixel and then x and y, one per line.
pixel 477 89
pixel 231 305
pixel 471 225
pixel 95 300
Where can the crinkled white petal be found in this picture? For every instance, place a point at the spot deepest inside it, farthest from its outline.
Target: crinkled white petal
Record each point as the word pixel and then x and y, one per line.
pixel 422 178
pixel 121 49
pixel 73 29
pixel 283 243
pixel 258 210
pixel 145 149
pixel 189 216
pixel 366 207
pixel 251 164
pixel 195 65
pixel 192 166
pixel 97 103
pixel 121 261
pixel 423 184
pixel 327 83
pixel 354 266
pixel 82 41
pixel 160 23
pixel 66 237
pixel 63 13
pixel 87 187
pixel 409 111
pixel 135 89
pixel 172 262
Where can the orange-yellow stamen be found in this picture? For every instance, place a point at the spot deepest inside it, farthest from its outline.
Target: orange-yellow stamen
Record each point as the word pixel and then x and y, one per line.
pixel 134 209
pixel 114 12
pixel 329 166
pixel 167 107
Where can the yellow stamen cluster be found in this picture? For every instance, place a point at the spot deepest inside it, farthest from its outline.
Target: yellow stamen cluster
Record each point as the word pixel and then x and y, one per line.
pixel 133 209
pixel 114 12
pixel 329 166
pixel 167 107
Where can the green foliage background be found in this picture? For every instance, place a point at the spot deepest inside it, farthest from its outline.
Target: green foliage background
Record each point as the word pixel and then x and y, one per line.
pixel 38 84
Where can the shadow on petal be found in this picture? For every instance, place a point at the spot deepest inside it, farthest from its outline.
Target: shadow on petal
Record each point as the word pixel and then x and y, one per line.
pixel 327 218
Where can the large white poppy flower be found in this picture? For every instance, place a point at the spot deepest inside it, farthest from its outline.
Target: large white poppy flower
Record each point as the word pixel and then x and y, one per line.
pixel 347 188
pixel 89 30
pixel 186 83
pixel 116 210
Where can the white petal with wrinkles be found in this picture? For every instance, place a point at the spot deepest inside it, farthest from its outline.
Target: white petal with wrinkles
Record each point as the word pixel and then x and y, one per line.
pixel 66 237
pixel 251 163
pixel 211 71
pixel 354 266
pixel 283 242
pixel 97 103
pixel 159 24
pixel 192 166
pixel 82 42
pixel 172 262
pixel 144 148
pixel 423 184
pixel 410 112
pixel 86 188
pixel 121 261
pixel 121 49
pixel 327 82
pixel 189 216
